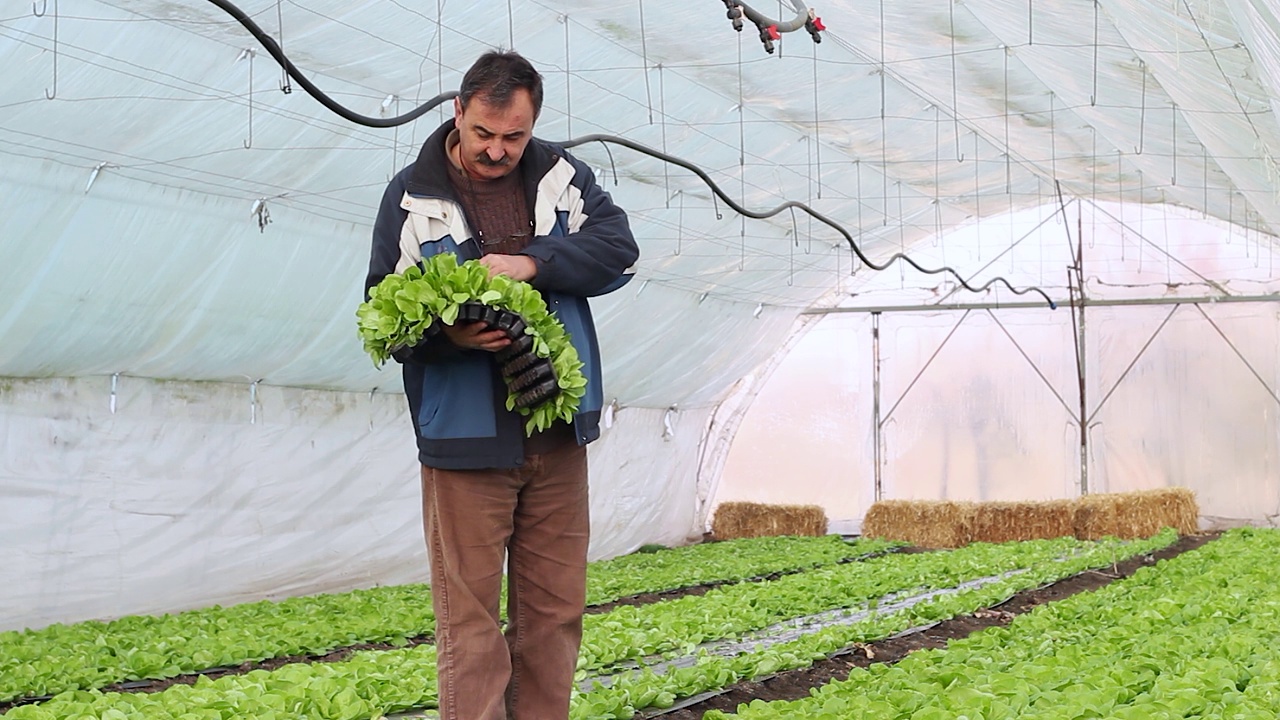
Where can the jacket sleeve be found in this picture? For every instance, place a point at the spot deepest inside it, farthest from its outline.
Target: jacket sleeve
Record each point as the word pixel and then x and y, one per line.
pixel 383 258
pixel 592 260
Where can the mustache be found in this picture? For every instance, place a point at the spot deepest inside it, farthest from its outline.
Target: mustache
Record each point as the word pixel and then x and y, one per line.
pixel 484 159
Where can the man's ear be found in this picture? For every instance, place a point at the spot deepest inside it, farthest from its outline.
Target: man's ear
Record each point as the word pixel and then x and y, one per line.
pixel 457 110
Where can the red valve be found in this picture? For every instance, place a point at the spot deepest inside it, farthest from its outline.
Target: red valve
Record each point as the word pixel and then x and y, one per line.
pixel 773 33
pixel 817 24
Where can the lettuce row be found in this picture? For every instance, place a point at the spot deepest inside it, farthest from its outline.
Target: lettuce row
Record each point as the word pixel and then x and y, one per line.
pixel 402 308
pixel 372 683
pixel 630 694
pixel 729 561
pixel 1194 637
pixel 680 625
pixel 94 653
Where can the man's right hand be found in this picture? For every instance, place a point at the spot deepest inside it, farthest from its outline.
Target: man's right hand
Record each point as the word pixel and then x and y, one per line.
pixel 475 336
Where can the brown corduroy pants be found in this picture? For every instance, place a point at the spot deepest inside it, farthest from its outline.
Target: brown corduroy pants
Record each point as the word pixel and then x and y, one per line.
pixel 537 515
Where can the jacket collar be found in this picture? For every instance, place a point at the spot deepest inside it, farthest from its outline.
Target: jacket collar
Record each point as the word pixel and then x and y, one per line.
pixel 429 175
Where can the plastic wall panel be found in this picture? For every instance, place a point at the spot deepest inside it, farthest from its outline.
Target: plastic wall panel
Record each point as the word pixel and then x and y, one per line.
pixel 807 438
pixel 1189 412
pixel 978 422
pixel 184 498
pixel 189 496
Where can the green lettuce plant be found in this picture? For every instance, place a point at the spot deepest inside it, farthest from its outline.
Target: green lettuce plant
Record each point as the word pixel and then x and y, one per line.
pixel 403 307
pixel 374 683
pixel 1193 637
pixel 93 653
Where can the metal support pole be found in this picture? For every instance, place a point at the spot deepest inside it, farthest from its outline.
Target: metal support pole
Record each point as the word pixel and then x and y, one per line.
pixel 875 403
pixel 1076 284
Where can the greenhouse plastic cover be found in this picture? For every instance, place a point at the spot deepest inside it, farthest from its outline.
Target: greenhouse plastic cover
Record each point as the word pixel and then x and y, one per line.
pixel 188 416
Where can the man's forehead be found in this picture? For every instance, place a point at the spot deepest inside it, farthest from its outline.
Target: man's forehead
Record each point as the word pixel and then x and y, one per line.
pixel 518 107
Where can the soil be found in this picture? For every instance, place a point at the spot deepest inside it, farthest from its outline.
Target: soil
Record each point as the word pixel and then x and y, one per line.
pixel 796 684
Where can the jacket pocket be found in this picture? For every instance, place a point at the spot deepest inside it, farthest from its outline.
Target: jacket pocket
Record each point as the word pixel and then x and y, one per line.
pixel 457 400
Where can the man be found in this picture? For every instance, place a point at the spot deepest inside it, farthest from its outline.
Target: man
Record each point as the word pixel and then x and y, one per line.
pixel 483 188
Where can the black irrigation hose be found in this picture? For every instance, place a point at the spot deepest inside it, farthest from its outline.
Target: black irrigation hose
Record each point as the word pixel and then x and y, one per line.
pixel 801 206
pixel 276 52
pixel 273 47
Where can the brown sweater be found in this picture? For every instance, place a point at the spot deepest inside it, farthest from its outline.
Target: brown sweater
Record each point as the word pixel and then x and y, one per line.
pixel 498 213
pixel 497 210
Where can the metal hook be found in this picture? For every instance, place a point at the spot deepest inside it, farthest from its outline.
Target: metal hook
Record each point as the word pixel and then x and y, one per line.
pixel 44 7
pixel 1142 120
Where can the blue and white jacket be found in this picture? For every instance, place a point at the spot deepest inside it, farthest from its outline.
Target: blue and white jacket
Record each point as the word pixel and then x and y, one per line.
pixel 582 247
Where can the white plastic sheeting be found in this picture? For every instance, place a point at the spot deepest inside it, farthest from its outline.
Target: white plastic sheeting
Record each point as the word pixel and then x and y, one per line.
pixel 982 403
pixel 191 494
pixel 129 242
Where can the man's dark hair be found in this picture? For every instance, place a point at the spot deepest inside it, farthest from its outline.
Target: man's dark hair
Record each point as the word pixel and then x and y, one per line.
pixel 496 75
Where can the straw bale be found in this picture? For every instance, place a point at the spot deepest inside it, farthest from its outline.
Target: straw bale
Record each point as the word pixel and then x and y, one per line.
pixel 928 523
pixel 1136 514
pixel 735 520
pixel 1009 521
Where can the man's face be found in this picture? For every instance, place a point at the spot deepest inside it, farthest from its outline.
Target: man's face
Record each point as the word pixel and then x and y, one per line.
pixel 492 139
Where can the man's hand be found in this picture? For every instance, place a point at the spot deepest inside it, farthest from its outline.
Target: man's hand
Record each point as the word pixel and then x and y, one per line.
pixel 516 267
pixel 474 336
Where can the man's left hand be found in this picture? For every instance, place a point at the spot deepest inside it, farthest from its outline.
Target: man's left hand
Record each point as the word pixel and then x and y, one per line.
pixel 516 267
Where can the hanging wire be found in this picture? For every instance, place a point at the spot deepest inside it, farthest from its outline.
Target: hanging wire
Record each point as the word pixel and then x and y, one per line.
pixel 511 26
pixel 50 93
pixel 791 250
pixel 1142 118
pixel 680 224
pixel 1008 155
pixel 568 94
pixel 285 87
pixel 1093 97
pixel 249 54
pixel 977 195
pixel 1142 191
pixel 395 144
pixel 1168 256
pixel 1120 187
pixel 808 161
pixel 742 161
pixel 857 165
pixel 644 55
pixel 742 137
pixel 817 128
pixel 1204 150
pixel 902 235
pixel 439 100
pixel 1053 136
pixel 1093 131
pixel 273 48
pixel 955 84
pixel 937 158
pixel 662 120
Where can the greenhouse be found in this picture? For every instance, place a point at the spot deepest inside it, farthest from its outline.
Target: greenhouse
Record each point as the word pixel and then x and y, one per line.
pixel 946 382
